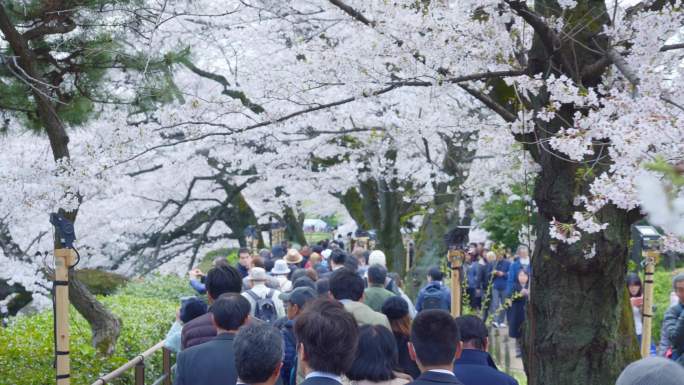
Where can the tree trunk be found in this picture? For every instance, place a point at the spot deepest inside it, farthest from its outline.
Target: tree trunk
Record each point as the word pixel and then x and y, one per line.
pixel 575 331
pixel 294 226
pixel 390 239
pixel 104 326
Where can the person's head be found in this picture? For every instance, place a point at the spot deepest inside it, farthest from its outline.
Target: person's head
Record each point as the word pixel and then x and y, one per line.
pixel 257 276
pixel 523 252
pixel 346 284
pixel 305 251
pixel 397 311
pixel 651 371
pixel 376 355
pixel 327 337
pixel 377 257
pixel 265 254
pixel 377 275
pixel 435 274
pixel 360 256
pixel 258 353
pixel 258 262
pixel 323 287
pixel 315 258
pixel 351 264
pixel 634 285
pixel 473 331
pixel 491 256
pixel 523 277
pixel 229 312
pixel 296 299
pixel 220 261
pixel 280 268
pixel 293 257
pixel 396 278
pixel 222 279
pixel 435 340
pixel 678 286
pixel 304 282
pixel 297 273
pixel 245 258
pixel 192 308
pixel 311 274
pixel 337 258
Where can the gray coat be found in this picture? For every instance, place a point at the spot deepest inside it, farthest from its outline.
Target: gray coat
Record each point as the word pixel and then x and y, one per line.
pixel 673 326
pixel 211 363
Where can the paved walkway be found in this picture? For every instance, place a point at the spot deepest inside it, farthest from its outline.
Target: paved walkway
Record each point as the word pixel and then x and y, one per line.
pixel 502 349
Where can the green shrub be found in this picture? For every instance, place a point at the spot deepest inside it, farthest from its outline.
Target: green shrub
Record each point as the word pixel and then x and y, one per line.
pixel 661 299
pixel 206 262
pixel 100 282
pixel 164 287
pixel 146 309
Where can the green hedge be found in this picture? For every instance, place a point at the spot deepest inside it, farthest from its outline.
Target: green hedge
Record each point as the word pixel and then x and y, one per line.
pixel 146 309
pixel 661 299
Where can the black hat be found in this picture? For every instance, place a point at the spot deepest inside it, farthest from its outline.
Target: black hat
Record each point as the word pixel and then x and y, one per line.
pixel 395 307
pixel 192 308
pixel 299 296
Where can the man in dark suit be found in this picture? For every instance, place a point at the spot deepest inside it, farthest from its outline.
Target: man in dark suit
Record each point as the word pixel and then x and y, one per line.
pixel 258 354
pixel 327 337
pixel 213 362
pixel 476 366
pixel 435 344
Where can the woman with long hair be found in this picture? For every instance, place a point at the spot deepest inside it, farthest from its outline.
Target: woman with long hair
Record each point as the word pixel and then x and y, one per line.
pixel 376 359
pixel 397 311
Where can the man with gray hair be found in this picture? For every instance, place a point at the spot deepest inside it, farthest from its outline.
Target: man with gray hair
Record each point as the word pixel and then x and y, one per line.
pixel 673 322
pixel 258 355
pixel 652 371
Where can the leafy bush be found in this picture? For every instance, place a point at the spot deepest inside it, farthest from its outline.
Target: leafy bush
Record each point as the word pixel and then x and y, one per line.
pixel 208 260
pixel 100 282
pixel 146 309
pixel 503 217
pixel 661 299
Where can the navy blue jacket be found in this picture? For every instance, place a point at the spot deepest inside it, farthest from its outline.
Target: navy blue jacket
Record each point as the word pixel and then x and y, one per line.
pixel 435 378
pixel 474 275
pixel 319 381
pixel 501 282
pixel 476 367
pixel 446 296
pixel 289 351
pixel 211 363
pixel 242 270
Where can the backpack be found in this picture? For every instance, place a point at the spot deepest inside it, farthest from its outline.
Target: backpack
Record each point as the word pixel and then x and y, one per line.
pixel 432 299
pixel 264 308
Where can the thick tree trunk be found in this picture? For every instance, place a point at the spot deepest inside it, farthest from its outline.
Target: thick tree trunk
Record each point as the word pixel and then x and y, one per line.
pixel 576 331
pixel 390 239
pixel 104 326
pixel 294 226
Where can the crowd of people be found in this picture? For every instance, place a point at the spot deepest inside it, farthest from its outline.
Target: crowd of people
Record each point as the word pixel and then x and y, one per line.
pixel 322 316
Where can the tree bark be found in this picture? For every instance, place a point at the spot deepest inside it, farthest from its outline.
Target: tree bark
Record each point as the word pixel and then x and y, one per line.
pixel 294 226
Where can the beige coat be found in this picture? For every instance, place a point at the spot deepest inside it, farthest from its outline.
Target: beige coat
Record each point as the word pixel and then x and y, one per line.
pixel 364 315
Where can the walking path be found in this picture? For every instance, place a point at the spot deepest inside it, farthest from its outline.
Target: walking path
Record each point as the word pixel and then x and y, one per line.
pixel 502 349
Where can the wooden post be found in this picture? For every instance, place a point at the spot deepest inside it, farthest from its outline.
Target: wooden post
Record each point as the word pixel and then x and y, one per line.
pixel 140 373
pixel 166 366
pixel 64 258
pixel 651 258
pixel 456 258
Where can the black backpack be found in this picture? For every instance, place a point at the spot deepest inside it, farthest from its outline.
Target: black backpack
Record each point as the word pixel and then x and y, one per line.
pixel 264 308
pixel 432 299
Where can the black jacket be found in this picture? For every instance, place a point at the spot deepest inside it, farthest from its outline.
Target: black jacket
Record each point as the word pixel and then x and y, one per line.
pixel 476 367
pixel 435 378
pixel 211 363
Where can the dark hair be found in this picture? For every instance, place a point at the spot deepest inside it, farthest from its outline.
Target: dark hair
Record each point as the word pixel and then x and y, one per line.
pixel 338 257
pixel 473 330
pixel 192 308
pixel 435 337
pixel 397 312
pixel 633 279
pixel 396 278
pixel 351 264
pixel 304 282
pixel 296 273
pixel 377 274
pixel 329 335
pixel 376 355
pixel 258 352
pixel 435 274
pixel 323 286
pixel 230 311
pixel 222 279
pixel 346 284
pixel 243 250
pixel 312 274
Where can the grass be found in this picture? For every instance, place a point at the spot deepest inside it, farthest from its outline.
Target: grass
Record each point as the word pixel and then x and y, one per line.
pixel 313 238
